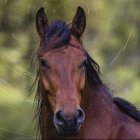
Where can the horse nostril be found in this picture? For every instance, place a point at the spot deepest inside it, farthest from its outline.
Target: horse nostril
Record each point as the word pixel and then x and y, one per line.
pixel 59 118
pixel 80 116
pixel 69 122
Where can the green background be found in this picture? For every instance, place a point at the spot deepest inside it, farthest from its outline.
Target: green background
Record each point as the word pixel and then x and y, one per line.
pixel 112 37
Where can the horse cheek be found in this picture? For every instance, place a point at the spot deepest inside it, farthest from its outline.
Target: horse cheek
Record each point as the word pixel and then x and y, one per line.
pixel 82 82
pixel 46 83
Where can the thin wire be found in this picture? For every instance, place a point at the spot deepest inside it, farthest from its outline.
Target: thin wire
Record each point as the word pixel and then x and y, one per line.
pixel 123 49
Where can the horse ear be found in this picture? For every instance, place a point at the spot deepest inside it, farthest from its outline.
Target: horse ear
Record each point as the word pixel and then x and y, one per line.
pixel 41 22
pixel 78 23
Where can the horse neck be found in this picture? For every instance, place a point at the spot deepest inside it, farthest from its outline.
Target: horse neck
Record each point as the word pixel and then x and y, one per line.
pixel 97 103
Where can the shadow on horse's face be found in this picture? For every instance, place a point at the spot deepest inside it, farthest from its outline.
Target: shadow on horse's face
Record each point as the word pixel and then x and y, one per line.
pixel 63 76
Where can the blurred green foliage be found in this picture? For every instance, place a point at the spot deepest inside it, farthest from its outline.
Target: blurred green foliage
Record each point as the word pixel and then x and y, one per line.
pixel 112 37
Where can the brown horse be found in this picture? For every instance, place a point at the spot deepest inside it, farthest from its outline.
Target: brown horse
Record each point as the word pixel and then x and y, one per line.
pixel 73 102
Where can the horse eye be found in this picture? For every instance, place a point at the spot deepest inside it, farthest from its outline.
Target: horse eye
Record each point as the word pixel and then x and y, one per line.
pixel 43 63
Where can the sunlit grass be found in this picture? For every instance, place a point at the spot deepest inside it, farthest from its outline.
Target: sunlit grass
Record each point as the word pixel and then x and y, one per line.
pixel 16 114
pixel 10 95
pixel 133 94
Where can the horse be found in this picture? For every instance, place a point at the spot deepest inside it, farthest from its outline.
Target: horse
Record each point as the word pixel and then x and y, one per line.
pixel 72 100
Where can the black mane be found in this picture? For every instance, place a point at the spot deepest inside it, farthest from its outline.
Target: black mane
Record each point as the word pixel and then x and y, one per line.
pixel 57 34
pixel 127 108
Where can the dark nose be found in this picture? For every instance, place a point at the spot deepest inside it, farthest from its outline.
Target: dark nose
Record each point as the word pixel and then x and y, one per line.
pixel 67 122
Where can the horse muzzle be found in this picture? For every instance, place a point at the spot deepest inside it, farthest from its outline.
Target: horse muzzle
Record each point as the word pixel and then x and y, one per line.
pixel 68 125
